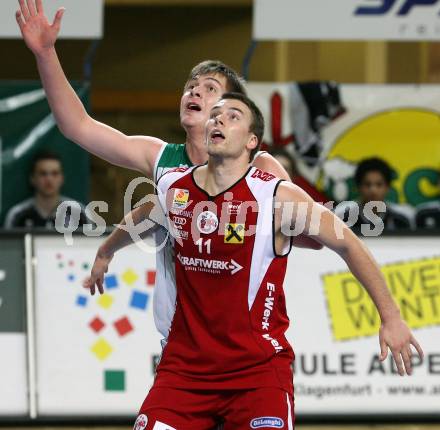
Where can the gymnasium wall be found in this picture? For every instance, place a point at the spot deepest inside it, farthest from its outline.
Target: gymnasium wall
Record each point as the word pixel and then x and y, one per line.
pixel 147 52
pixel 99 353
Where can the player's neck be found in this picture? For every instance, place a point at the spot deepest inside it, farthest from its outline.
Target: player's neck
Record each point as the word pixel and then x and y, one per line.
pixel 196 145
pixel 46 204
pixel 221 174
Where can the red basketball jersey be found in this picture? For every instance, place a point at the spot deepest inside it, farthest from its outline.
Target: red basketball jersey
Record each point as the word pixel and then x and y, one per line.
pixel 229 322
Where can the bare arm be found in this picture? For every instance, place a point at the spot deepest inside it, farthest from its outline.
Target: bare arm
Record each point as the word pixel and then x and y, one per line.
pixel 333 233
pixel 134 152
pixel 118 239
pixel 267 163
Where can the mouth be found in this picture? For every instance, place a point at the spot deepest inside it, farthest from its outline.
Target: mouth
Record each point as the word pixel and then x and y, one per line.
pixel 217 136
pixel 193 107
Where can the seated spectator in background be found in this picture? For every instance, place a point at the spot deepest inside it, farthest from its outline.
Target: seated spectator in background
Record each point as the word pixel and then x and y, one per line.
pixel 40 211
pixel 283 156
pixel 286 160
pixel 428 216
pixel 373 178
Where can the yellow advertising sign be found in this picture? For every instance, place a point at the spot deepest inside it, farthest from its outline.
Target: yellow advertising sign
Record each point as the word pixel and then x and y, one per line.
pixel 407 139
pixel 414 285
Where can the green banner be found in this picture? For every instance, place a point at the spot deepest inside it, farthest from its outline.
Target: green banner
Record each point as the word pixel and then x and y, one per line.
pixel 12 285
pixel 26 127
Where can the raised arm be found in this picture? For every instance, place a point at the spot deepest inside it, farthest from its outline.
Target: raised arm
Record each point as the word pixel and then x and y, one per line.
pixel 333 233
pixel 134 152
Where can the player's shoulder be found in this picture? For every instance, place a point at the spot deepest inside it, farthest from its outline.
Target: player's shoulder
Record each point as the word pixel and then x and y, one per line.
pixel 287 191
pixel 171 176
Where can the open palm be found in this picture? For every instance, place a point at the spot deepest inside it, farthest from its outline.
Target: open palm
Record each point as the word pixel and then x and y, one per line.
pixel 37 32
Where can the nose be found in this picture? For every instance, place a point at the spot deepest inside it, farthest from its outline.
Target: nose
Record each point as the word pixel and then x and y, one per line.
pixel 218 119
pixel 195 92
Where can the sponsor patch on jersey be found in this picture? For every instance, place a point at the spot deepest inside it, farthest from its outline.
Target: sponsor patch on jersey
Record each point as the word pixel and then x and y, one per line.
pixel 208 265
pixel 179 221
pixel 182 234
pixel 267 422
pixel 207 222
pixel 234 207
pixel 180 200
pixel 264 176
pixel 234 233
pixel 141 422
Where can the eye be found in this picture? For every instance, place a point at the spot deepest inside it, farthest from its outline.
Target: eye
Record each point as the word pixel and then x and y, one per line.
pixel 212 89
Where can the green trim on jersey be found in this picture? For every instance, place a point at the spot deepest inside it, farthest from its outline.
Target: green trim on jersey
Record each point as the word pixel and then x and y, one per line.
pixel 172 155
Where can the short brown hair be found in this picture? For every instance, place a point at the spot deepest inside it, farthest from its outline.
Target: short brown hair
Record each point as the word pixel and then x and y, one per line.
pixel 234 82
pixel 257 125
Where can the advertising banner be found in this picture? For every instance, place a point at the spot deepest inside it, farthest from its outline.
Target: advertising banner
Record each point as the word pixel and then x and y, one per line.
pixel 334 331
pixel 13 373
pixel 329 128
pixel 347 20
pixel 83 18
pixel 95 355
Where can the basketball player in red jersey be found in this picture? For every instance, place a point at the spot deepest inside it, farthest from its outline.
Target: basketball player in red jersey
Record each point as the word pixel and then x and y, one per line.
pixel 227 359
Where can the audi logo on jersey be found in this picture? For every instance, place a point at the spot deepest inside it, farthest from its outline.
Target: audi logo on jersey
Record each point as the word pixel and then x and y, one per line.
pixel 179 220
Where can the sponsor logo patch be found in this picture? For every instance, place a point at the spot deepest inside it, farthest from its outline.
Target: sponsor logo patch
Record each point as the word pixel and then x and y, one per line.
pixel 207 222
pixel 234 233
pixel 208 265
pixel 234 207
pixel 141 422
pixel 180 199
pixel 267 422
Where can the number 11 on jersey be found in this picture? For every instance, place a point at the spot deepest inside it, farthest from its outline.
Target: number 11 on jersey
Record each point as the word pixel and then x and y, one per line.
pixel 207 244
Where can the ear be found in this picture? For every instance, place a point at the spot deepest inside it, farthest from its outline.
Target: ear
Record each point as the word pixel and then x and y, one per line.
pixel 252 142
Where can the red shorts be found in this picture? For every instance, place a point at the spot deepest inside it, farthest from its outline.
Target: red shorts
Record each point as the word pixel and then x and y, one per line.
pixel 175 409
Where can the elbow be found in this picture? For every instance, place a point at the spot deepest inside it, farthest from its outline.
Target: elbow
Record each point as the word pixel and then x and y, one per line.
pixel 73 130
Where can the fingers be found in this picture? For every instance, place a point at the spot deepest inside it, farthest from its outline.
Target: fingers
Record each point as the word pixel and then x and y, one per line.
pixel 418 348
pixel 19 19
pixel 406 355
pixel 39 5
pixel 58 17
pixel 383 349
pixel 100 285
pixel 31 7
pixel 398 360
pixel 24 10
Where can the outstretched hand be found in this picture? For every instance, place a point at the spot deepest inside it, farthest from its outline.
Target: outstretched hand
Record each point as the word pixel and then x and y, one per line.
pixel 38 34
pixel 96 278
pixel 395 335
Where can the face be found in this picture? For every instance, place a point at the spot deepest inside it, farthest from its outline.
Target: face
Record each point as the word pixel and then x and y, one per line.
pixel 199 96
pixel 373 187
pixel 48 178
pixel 228 130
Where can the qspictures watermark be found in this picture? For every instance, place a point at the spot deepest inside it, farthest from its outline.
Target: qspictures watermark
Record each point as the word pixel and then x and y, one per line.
pixel 169 214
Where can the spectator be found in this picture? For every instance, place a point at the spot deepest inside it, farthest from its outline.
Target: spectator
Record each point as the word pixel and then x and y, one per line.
pixel 288 162
pixel 285 159
pixel 373 178
pixel 40 210
pixel 428 216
